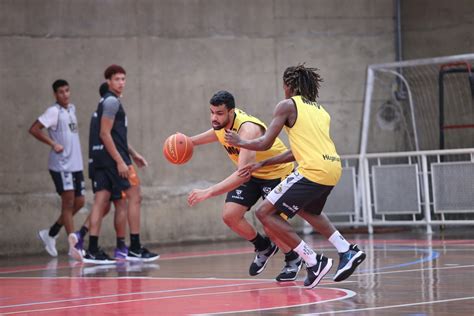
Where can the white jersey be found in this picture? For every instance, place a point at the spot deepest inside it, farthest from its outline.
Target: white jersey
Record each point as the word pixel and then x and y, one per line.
pixel 63 129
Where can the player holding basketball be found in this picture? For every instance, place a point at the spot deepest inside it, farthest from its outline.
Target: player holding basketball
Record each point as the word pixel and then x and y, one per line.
pixel 244 192
pixel 114 170
pixel 305 191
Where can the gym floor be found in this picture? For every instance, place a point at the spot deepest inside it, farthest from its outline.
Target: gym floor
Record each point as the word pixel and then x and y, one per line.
pixel 405 273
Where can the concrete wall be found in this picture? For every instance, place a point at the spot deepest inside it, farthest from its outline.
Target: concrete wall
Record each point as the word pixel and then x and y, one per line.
pixel 177 53
pixel 437 28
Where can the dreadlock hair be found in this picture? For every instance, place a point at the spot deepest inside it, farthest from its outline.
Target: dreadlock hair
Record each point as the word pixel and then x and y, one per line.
pixel 303 81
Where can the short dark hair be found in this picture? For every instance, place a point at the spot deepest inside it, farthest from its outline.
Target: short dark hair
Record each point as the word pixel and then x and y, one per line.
pixel 223 97
pixel 112 70
pixel 103 89
pixel 58 84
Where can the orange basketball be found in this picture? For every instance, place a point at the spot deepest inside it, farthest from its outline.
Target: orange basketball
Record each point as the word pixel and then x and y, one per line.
pixel 178 148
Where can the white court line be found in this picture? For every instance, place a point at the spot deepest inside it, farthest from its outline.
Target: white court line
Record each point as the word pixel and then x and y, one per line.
pixel 351 293
pixel 415 248
pixel 128 294
pixel 448 266
pixel 414 270
pixel 260 281
pixel 392 306
pixel 185 289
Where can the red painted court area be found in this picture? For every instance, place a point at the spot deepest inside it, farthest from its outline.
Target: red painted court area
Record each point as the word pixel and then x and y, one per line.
pixel 405 273
pixel 142 296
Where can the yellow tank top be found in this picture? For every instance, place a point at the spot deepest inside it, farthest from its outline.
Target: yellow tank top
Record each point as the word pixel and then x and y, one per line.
pixel 311 144
pixel 267 172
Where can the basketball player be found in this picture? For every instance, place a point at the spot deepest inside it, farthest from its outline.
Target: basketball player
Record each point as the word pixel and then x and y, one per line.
pixel 76 240
pixel 112 158
pixel 305 191
pixel 65 160
pixel 244 192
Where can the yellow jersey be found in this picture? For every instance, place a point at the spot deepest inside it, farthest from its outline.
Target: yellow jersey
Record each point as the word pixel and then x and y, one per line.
pixel 267 172
pixel 311 144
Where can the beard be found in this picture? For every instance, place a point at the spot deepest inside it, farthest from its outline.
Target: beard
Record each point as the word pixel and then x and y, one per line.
pixel 216 126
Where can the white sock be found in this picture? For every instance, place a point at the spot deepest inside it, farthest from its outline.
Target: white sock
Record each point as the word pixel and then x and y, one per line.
pixel 338 241
pixel 305 252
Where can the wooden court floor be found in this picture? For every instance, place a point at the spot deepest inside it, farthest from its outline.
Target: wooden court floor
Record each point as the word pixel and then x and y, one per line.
pixel 406 273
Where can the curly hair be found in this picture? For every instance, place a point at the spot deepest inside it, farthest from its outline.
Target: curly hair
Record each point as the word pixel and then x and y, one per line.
pixel 303 81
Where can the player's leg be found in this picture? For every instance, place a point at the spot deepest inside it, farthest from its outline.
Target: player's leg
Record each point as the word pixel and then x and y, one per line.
pixel 120 224
pixel 293 262
pixel 102 189
pixel 94 254
pixel 49 236
pixel 350 256
pixel 233 217
pixel 290 197
pixel 76 240
pixel 134 198
pixel 237 203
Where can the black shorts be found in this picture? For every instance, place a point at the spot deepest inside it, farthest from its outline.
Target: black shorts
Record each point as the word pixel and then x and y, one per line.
pixel 110 180
pixel 115 194
pixel 249 192
pixel 297 193
pixel 68 181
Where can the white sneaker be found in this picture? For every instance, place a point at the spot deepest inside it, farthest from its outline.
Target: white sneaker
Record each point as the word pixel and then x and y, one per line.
pixel 49 242
pixel 75 250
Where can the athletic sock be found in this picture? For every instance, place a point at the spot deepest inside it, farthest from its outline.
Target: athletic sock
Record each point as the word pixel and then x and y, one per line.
pixel 54 230
pixel 260 243
pixel 121 243
pixel 135 242
pixel 93 243
pixel 338 241
pixel 305 252
pixel 83 231
pixel 289 256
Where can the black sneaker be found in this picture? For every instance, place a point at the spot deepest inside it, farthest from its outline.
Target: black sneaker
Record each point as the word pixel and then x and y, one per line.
pixel 318 271
pixel 143 255
pixel 98 257
pixel 261 259
pixel 290 270
pixel 348 262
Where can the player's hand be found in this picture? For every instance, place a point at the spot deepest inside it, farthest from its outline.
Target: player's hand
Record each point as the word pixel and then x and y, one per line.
pixel 139 161
pixel 248 169
pixel 122 169
pixel 58 148
pixel 232 138
pixel 198 195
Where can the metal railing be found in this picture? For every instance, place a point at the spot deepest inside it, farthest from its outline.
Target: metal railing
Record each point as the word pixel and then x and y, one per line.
pixel 422 188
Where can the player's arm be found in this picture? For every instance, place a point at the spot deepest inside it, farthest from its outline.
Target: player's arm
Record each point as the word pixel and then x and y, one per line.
pixel 233 181
pixel 110 108
pixel 106 125
pixel 265 142
pixel 248 169
pixel 137 158
pixel 36 130
pixel 207 137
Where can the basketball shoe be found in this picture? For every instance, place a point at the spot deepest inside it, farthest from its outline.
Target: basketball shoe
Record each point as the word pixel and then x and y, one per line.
pixel 290 270
pixel 348 262
pixel 98 257
pixel 49 242
pixel 261 258
pixel 318 271
pixel 141 254
pixel 76 243
pixel 121 253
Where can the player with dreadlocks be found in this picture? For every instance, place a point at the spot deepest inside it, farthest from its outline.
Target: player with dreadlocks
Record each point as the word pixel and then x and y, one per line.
pixel 304 192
